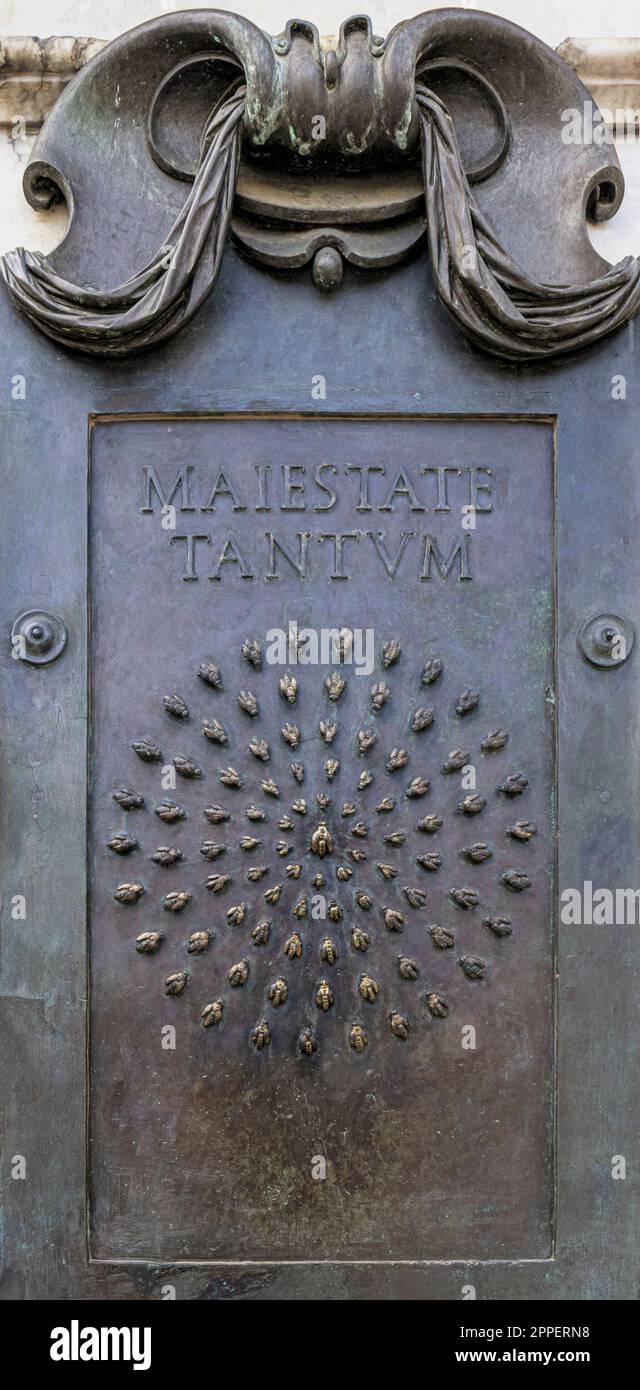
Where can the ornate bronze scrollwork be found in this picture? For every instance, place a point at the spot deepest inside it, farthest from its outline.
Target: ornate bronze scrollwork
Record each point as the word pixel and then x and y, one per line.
pixel 308 153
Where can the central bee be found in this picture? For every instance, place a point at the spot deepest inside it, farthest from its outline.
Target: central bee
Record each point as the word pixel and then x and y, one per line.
pixel 322 841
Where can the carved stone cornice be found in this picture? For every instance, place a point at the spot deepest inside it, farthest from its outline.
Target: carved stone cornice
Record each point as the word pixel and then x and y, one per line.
pixel 33 73
pixel 610 68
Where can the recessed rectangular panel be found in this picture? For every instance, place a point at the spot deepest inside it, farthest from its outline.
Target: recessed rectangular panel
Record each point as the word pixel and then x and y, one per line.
pixel 321 1011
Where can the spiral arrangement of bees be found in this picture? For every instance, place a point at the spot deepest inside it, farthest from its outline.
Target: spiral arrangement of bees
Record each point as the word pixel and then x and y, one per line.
pixel 320 885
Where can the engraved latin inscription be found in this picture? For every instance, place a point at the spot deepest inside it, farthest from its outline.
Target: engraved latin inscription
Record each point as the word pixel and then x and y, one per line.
pixel 237 544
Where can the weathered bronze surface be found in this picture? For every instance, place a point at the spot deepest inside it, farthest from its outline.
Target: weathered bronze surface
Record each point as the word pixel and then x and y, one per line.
pixel 214 1086
pixel 280 523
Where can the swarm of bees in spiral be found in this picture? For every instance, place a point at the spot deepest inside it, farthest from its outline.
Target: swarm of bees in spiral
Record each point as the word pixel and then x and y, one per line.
pixel 307 866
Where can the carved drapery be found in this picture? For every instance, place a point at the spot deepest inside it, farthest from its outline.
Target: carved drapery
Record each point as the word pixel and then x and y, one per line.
pixel 153 305
pixel 481 286
pixel 377 103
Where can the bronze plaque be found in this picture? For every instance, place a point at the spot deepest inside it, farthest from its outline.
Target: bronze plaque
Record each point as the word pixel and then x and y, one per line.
pixel 321 867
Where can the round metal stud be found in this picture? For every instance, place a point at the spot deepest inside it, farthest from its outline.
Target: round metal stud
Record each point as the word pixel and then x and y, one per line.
pixel 38 637
pixel 328 268
pixel 606 640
